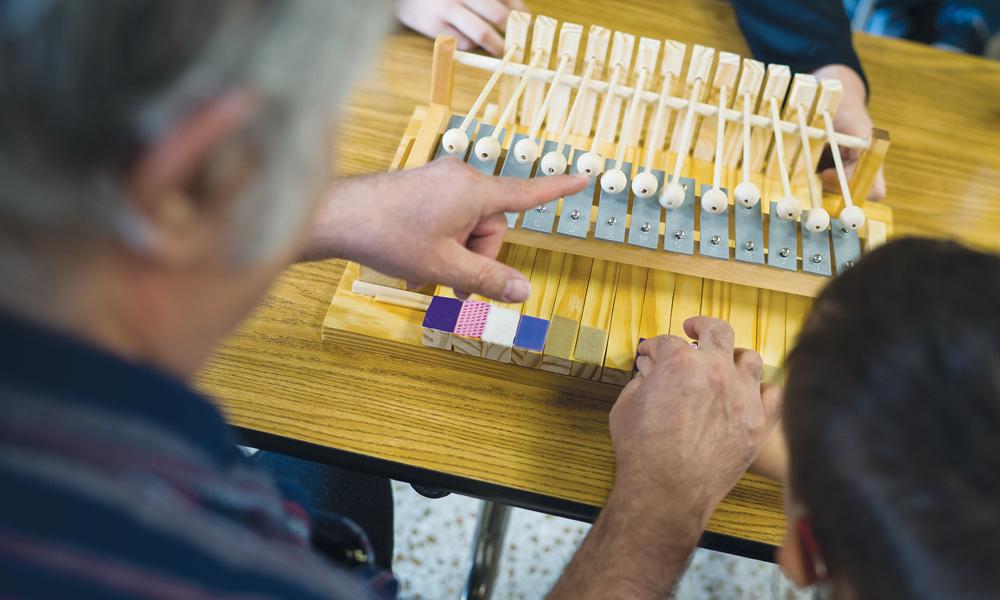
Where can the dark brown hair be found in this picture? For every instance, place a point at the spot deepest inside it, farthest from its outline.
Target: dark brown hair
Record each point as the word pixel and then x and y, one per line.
pixel 892 413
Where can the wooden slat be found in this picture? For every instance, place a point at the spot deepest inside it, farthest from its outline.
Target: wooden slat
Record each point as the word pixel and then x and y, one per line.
pixel 657 304
pixel 725 75
pixel 544 283
pixel 592 341
pixel 743 315
pixel 775 86
pixel 687 302
pixel 623 332
pixel 803 92
pixel 566 314
pixel 771 331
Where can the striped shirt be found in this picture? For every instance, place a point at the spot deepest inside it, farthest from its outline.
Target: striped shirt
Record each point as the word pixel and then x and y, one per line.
pixel 117 481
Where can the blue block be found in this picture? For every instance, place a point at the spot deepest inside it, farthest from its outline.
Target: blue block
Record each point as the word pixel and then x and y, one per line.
pixel 531 332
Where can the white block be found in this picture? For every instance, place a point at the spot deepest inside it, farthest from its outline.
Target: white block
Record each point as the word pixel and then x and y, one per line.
pixel 501 326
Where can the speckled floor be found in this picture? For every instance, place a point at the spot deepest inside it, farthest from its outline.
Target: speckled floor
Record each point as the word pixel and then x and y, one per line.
pixel 433 541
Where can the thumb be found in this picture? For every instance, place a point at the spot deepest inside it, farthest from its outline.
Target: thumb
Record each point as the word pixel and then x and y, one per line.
pixel 476 274
pixel 513 194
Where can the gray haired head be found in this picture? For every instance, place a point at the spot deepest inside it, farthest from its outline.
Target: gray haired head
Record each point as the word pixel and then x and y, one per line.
pixel 85 86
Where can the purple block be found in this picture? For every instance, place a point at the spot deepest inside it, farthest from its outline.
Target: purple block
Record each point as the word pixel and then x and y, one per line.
pixel 531 332
pixel 442 314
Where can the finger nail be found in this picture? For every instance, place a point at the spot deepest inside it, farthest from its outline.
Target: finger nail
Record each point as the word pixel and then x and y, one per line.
pixel 516 290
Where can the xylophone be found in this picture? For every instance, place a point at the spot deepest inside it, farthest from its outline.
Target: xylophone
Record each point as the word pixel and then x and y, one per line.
pixel 703 199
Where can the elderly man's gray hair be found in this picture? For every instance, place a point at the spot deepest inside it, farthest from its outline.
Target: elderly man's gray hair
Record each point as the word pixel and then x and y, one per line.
pixel 84 85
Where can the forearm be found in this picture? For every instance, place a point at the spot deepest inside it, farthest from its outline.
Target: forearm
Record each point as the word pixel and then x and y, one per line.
pixel 341 217
pixel 812 34
pixel 632 551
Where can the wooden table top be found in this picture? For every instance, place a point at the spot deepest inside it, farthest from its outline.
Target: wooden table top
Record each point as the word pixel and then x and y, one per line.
pixel 542 441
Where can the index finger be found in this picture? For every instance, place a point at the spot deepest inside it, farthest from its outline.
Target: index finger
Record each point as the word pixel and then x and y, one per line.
pixel 711 334
pixel 513 194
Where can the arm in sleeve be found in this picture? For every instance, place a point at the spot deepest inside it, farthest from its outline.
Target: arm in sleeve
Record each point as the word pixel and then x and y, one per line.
pixel 803 34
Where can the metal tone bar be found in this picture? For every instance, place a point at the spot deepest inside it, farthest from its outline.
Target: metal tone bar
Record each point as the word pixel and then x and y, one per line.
pixel 846 246
pixel 714 230
pixel 542 218
pixel 575 216
pixel 815 250
pixel 749 234
pixel 515 168
pixel 679 233
pixel 453 122
pixel 647 215
pixel 612 208
pixel 782 246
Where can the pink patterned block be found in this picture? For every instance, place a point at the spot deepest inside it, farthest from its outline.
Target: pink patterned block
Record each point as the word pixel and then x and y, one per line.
pixel 472 319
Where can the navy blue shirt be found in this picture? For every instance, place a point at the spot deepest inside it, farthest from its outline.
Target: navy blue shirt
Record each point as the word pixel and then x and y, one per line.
pixel 117 481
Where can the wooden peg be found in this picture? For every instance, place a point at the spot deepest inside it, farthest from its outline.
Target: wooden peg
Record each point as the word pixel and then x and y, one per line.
pixel 570 35
pixel 645 58
pixel 725 76
pixel 751 80
pixel 670 69
pixel 775 86
pixel 542 36
pixel 699 69
pixel 598 40
pixel 803 92
pixel 518 24
pixel 868 165
pixel 831 91
pixel 621 57
pixel 443 70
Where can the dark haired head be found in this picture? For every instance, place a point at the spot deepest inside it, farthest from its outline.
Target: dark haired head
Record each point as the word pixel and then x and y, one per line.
pixel 892 414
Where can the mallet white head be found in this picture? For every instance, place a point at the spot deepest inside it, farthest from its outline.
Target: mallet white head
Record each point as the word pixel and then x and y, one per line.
pixel 526 151
pixel 817 220
pixel 714 200
pixel 590 164
pixel 455 142
pixel 852 217
pixel 644 185
pixel 747 193
pixel 488 148
pixel 614 181
pixel 789 208
pixel 553 163
pixel 672 196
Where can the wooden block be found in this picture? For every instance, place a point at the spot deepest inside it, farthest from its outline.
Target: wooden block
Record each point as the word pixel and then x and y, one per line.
pixel 645 61
pixel 529 341
pixel 775 86
pixel 621 56
pixel 427 137
pixel 751 80
pixel 498 334
pixel 868 165
pixel 439 322
pixel 623 332
pixel 370 275
pixel 725 75
pixel 570 35
pixel 468 335
pixel 566 313
pixel 518 24
pixel 875 234
pixel 542 35
pixel 831 91
pixel 670 69
pixel 598 39
pixel 388 295
pixel 687 302
pixel 658 300
pixel 699 67
pixel 771 332
pixel 803 93
pixel 443 70
pixel 591 343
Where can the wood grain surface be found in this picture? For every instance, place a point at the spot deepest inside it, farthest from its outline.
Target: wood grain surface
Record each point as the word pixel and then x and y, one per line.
pixel 546 433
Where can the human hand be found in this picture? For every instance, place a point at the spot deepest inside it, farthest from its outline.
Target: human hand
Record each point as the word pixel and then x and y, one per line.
pixel 686 428
pixel 472 22
pixel 853 119
pixel 442 223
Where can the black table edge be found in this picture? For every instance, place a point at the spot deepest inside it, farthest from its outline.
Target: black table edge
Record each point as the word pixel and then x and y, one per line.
pixel 472 487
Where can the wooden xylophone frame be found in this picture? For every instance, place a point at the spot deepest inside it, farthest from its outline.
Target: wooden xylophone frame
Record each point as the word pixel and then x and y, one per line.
pixel 372 309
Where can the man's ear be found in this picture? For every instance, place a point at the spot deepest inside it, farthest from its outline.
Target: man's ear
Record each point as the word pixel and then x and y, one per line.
pixel 163 180
pixel 799 556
